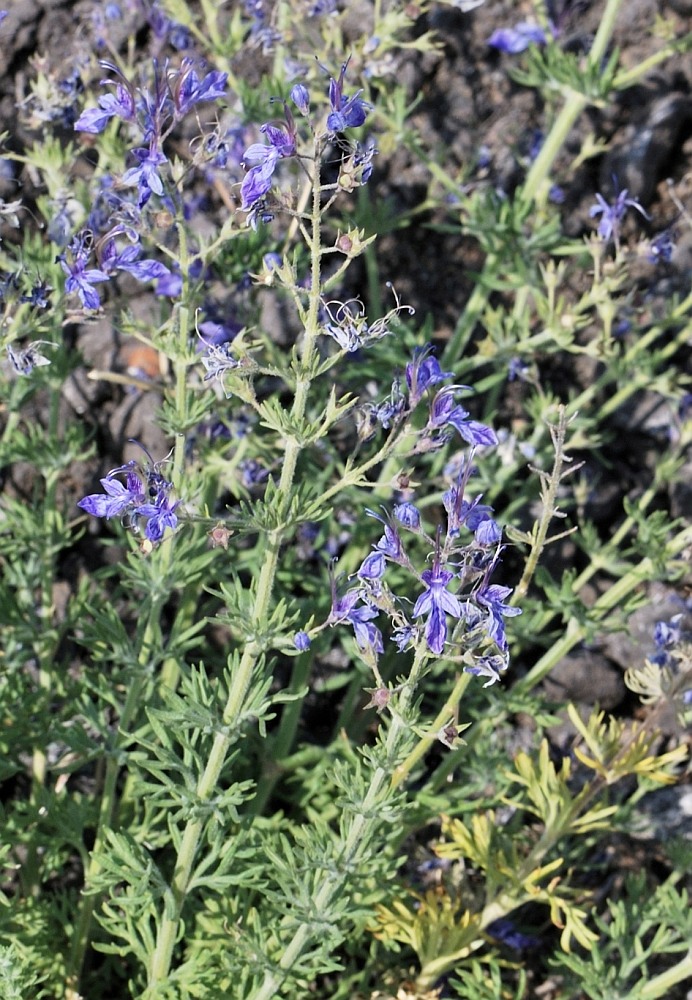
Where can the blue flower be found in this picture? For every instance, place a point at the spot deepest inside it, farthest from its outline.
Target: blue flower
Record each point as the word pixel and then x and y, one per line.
pixel 408 515
pixel 145 495
pixel 390 542
pixel 666 636
pixel 160 515
pixel 27 358
pixel 487 533
pixel 300 96
pixel 363 156
pixel 190 90
pixel 80 278
pixel 301 640
pixel 464 513
pixel 612 215
pixel 129 260
pixel 445 411
pixel 422 373
pixel 436 602
pixel 403 636
pixel 372 567
pixel 661 248
pixel 120 105
pixel 145 175
pixel 505 931
pixel 258 180
pixel 516 39
pixel 491 667
pixel 492 597
pixel 345 113
pixel 344 609
pixel 119 497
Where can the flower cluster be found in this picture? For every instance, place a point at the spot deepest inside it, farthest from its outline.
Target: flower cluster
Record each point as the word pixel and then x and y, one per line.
pixel 110 259
pixel 263 158
pixel 153 111
pixel 144 496
pixel 456 587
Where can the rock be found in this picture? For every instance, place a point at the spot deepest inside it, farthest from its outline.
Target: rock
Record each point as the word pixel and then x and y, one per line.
pixel 588 677
pixel 647 145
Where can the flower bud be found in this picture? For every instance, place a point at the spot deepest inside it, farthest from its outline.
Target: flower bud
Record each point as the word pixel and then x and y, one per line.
pixel 301 98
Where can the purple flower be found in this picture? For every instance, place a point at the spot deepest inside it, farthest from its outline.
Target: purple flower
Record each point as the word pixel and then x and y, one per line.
pixel 390 542
pixel 421 373
pixel 666 636
pixel 39 296
pixel 436 602
pixel 118 499
pixel 128 260
pixel 144 495
pixel 403 636
pixel 492 597
pixel 491 667
pixel 518 38
pixel 145 175
pixel 80 278
pixel 517 369
pixel 190 90
pixel 612 215
pixel 362 160
pixel 301 640
pixel 171 285
pixel 344 609
pixel 160 515
pixel 300 96
pixel 24 360
pixel 464 513
pixel 506 931
pixel 661 248
pixel 390 410
pixel 120 104
pixel 488 533
pixel 348 113
pixel 252 473
pixel 372 567
pixel 258 180
pixel 408 515
pixel 444 411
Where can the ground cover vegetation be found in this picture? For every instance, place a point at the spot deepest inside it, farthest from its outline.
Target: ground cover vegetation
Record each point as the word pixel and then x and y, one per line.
pixel 345 422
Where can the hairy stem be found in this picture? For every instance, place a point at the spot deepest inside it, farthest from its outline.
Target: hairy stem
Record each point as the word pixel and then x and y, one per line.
pixel 187 853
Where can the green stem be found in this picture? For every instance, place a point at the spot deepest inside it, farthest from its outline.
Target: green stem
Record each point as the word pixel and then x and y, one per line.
pixel 170 919
pixel 535 188
pixel 109 801
pixel 614 596
pixel 661 985
pixel 443 716
pixel 46 641
pixel 472 313
pixel 549 505
pixel 283 742
pixel 356 841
